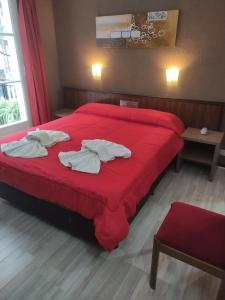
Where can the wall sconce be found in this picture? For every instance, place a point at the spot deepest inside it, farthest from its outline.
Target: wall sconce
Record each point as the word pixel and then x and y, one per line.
pixel 172 76
pixel 97 71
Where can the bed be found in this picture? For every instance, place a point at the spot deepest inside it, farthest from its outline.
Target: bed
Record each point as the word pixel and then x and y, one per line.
pixel 110 198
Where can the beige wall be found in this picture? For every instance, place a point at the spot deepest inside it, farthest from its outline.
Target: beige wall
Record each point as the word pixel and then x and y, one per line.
pixel 199 52
pixel 47 28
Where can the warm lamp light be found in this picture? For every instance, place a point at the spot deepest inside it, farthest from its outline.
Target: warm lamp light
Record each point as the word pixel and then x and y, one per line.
pixel 97 71
pixel 172 76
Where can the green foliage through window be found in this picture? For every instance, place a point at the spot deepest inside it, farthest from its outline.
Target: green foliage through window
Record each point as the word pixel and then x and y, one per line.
pixel 9 112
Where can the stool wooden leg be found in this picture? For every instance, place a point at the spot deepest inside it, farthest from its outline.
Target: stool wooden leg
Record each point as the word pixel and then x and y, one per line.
pixel 154 266
pixel 221 294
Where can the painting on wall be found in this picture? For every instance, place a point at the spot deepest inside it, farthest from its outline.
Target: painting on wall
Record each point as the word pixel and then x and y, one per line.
pixel 144 30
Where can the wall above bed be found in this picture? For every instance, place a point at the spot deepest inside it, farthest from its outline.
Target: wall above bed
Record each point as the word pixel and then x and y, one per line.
pixel 199 51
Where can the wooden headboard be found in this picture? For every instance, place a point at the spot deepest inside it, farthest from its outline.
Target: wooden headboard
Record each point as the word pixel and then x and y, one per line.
pixel 194 113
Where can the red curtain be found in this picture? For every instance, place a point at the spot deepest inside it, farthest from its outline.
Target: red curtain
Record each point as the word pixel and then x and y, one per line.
pixel 34 62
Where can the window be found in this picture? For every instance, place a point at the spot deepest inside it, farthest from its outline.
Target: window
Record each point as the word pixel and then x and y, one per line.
pixel 13 107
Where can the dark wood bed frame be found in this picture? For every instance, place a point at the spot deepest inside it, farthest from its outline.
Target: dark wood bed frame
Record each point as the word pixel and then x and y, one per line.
pixel 194 113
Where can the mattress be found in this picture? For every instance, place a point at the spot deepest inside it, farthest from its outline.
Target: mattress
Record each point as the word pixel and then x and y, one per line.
pixel 109 198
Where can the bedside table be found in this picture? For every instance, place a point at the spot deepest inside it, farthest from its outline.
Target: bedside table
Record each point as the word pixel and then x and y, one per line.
pixel 62 113
pixel 201 148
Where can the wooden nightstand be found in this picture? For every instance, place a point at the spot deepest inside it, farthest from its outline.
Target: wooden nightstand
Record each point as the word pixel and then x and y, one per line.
pixel 62 113
pixel 201 148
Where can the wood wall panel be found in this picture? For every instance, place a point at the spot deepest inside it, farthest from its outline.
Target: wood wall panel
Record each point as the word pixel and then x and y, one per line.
pixel 194 113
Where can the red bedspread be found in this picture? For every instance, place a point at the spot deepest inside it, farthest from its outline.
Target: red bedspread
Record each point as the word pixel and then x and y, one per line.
pixel 110 197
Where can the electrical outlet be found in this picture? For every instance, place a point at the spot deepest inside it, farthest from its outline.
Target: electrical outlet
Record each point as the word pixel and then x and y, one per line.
pixel 129 103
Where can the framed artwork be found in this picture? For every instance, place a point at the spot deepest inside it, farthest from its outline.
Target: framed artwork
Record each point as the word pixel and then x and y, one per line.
pixel 145 30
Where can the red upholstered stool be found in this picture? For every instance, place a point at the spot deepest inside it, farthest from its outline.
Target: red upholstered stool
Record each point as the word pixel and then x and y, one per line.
pixel 195 236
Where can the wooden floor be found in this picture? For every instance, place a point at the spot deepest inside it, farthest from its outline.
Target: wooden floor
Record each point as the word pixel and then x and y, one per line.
pixel 38 261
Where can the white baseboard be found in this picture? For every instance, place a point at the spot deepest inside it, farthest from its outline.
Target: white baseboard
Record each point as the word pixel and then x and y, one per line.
pixel 222 152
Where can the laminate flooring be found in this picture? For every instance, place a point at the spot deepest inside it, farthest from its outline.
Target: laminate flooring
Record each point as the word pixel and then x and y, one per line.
pixel 41 262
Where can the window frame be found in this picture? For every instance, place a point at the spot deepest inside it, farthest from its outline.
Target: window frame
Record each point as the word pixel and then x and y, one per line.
pixel 23 124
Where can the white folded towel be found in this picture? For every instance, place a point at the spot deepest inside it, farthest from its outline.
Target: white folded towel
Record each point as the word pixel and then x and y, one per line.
pixel 34 143
pixel 106 150
pixel 47 138
pixel 92 152
pixel 82 161
pixel 39 135
pixel 24 148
